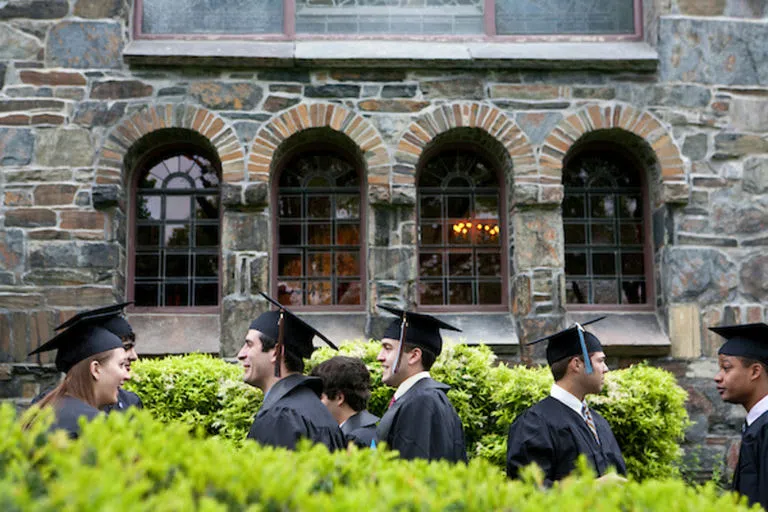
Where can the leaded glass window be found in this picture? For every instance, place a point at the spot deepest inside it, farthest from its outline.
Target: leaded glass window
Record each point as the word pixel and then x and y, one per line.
pixel 543 17
pixel 319 217
pixel 603 221
pixel 177 232
pixel 460 231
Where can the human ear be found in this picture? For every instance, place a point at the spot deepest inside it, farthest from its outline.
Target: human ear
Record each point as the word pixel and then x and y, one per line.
pixel 95 369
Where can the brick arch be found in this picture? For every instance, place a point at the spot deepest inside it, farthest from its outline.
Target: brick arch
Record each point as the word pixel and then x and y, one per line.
pixel 466 115
pixel 156 117
pixel 674 187
pixel 320 115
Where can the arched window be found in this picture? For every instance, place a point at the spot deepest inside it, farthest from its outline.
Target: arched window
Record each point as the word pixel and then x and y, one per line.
pixel 604 225
pixel 461 251
pixel 176 222
pixel 319 231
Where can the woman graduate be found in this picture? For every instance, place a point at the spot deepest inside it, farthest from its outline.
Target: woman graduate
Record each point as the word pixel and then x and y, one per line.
pixel 96 366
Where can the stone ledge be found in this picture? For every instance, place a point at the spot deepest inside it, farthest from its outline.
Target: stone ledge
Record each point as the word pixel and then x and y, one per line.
pixel 164 333
pixel 626 334
pixel 619 55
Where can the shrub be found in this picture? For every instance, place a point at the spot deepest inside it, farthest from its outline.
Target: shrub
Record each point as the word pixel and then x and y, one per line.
pixel 643 405
pixel 199 390
pixel 131 462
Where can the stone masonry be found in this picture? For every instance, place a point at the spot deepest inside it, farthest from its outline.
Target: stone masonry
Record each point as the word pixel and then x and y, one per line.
pixel 76 116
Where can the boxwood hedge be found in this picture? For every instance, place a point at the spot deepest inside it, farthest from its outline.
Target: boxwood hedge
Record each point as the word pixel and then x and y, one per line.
pixel 644 405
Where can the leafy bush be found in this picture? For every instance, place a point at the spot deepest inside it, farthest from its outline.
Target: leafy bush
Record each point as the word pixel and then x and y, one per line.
pixel 132 462
pixel 199 390
pixel 643 405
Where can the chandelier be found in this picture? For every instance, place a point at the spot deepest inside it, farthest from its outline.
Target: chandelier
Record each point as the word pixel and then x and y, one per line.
pixel 465 226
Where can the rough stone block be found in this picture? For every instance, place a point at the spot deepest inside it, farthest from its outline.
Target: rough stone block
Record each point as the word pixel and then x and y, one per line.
pixel 398 91
pixel 97 9
pixel 756 175
pixel 79 297
pixel 749 114
pixel 245 232
pixel 539 239
pixel 16 146
pixel 695 146
pixel 227 96
pixel 79 219
pixel 685 330
pixel 65 146
pixel 105 196
pixel 537 126
pixel 85 44
pixel 52 255
pixel 20 301
pixel 237 314
pixel 332 91
pixel 732 215
pixel 58 277
pixel 257 195
pixel 368 75
pixel 119 89
pixel 393 105
pixel 460 88
pixel 47 195
pixel 35 9
pixel 735 145
pixel 177 334
pixel 278 103
pixel 284 75
pixel 17 45
pixel 705 276
pixel 98 255
pixel 30 217
pixel 97 113
pixel 11 249
pixel 754 277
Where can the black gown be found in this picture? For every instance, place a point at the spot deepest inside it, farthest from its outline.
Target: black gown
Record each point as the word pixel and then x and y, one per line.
pixel 422 424
pixel 292 410
pixel 125 399
pixel 68 411
pixel 360 429
pixel 553 435
pixel 751 475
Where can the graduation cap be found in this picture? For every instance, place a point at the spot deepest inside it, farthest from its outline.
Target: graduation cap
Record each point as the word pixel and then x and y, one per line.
pixel 415 328
pixel 746 340
pixel 108 317
pixel 80 341
pixel 290 331
pixel 572 341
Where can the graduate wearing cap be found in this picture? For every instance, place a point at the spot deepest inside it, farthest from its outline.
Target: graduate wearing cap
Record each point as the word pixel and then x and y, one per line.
pixel 555 431
pixel 111 319
pixel 743 379
pixel 272 359
pixel 346 391
pixel 420 423
pixel 95 366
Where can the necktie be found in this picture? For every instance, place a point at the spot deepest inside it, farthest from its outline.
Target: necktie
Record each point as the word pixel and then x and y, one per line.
pixel 391 402
pixel 590 422
pixel 744 427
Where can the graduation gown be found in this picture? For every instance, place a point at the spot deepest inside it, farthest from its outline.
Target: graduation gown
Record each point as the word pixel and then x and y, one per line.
pixel 292 410
pixel 423 424
pixel 751 475
pixel 125 399
pixel 360 429
pixel 68 411
pixel 553 435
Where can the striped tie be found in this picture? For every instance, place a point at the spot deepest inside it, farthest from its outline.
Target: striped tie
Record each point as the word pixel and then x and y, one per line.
pixel 590 422
pixel 391 402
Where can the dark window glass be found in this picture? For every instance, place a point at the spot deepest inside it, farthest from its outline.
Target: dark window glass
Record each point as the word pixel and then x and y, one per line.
pixel 177 232
pixel 319 225
pixel 460 238
pixel 603 225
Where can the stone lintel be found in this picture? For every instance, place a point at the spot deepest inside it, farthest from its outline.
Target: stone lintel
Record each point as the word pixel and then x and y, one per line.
pixel 613 55
pixel 626 334
pixel 168 333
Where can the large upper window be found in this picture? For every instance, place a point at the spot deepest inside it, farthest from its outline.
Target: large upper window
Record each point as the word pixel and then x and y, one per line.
pixel 603 221
pixel 176 244
pixel 289 18
pixel 461 256
pixel 319 218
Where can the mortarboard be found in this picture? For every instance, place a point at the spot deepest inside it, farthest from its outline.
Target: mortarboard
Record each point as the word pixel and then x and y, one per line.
pixel 80 341
pixel 415 328
pixel 289 330
pixel 746 340
pixel 98 316
pixel 572 341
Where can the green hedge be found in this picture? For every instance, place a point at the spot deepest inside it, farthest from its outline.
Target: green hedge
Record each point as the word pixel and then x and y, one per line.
pixel 644 405
pixel 132 462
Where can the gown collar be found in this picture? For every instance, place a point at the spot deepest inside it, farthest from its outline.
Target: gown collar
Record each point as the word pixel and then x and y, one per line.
pixel 566 398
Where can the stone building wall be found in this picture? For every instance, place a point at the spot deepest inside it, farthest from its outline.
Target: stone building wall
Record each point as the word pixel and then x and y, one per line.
pixel 75 117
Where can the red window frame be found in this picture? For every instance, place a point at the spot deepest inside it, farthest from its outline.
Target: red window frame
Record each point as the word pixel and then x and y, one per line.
pixel 156 154
pixel 489 23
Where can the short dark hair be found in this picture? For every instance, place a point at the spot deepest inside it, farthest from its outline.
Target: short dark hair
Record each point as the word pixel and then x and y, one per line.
pixel 748 361
pixel 348 375
pixel 427 356
pixel 292 362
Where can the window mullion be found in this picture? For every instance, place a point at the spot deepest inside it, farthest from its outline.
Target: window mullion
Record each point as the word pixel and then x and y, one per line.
pixel 489 17
pixel 289 18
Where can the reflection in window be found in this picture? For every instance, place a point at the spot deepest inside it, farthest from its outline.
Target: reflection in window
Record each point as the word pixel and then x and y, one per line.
pixel 534 17
pixel 319 221
pixel 604 231
pixel 177 233
pixel 460 245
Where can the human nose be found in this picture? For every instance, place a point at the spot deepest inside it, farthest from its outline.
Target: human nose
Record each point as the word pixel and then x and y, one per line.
pixel 242 354
pixel 381 357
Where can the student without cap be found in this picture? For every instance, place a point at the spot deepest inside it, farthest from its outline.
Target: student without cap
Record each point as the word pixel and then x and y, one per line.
pixel 346 391
pixel 420 422
pixel 743 380
pixel 96 366
pixel 272 361
pixel 555 431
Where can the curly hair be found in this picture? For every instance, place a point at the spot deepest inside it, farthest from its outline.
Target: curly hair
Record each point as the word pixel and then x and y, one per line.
pixel 348 375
